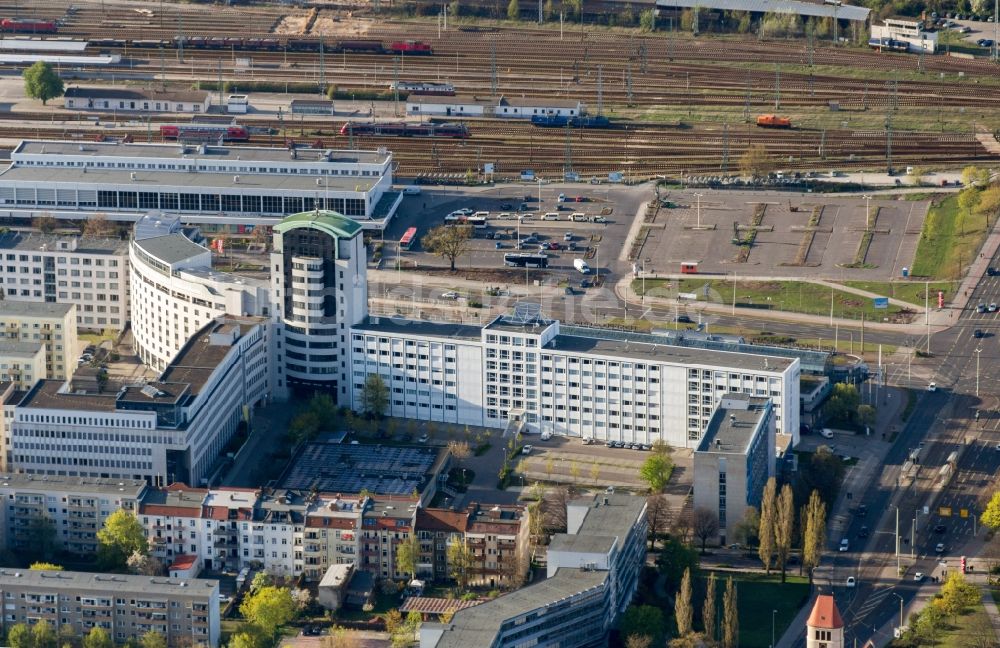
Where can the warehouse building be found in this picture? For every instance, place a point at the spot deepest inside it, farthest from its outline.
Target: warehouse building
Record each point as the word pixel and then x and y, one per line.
pixel 137 100
pixel 88 272
pixel 234 185
pixel 185 612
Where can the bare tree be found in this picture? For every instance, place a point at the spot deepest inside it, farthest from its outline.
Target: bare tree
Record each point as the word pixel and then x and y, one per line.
pixel 448 241
pixel 555 508
pixel 658 517
pixel 705 524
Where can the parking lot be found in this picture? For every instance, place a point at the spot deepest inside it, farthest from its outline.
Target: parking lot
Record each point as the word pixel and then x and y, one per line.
pixel 795 235
pixel 564 238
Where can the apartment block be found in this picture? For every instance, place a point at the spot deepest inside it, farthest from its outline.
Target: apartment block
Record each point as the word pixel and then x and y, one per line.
pixel 734 460
pixel 385 523
pixel 51 324
pixel 22 363
pixel 89 272
pixel 69 510
pixel 186 612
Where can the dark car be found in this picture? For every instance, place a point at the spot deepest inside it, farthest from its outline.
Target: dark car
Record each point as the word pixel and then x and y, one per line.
pixel 804 428
pixel 940 528
pixel 978 333
pixel 863 533
pixel 684 319
pixel 862 510
pixel 992 272
pixel 506 206
pixel 981 308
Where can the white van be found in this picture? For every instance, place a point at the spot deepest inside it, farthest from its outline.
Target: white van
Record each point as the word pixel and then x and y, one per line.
pixel 578 217
pixel 551 216
pixel 411 190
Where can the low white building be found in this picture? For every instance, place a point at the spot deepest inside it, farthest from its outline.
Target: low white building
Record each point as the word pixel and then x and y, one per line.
pixel 522 108
pixel 88 272
pixel 136 99
pixel 906 30
pixel 456 106
pixel 22 363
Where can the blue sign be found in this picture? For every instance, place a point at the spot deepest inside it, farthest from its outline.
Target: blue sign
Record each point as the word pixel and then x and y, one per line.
pixel 881 302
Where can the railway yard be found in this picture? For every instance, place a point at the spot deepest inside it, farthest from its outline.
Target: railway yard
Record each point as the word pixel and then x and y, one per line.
pixel 679 105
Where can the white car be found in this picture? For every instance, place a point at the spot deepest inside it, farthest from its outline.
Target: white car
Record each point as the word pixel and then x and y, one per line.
pixel 465 211
pixel 939 548
pixel 851 582
pixel 932 387
pixel 826 433
pixel 451 294
pixel 919 576
pixel 845 544
pixel 526 449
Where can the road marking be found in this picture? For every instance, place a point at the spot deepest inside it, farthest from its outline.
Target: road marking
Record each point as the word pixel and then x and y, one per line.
pixel 873 601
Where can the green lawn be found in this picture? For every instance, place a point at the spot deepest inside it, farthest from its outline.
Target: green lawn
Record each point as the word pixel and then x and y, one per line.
pixel 911 292
pixel 789 296
pixel 757 596
pixel 968 630
pixel 949 241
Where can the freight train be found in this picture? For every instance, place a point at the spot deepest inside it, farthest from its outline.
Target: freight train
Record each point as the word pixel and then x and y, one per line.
pixel 413 48
pixel 28 26
pixel 204 132
pixel 402 129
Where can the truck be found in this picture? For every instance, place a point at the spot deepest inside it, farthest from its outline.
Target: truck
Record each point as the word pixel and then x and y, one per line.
pixel 581 265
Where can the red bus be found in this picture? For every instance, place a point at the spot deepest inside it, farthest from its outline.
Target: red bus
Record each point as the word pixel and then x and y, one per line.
pixel 409 236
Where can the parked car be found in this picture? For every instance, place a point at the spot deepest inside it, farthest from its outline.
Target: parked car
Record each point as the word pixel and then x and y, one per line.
pixel 506 205
pixel 940 528
pixel 981 308
pixel 932 387
pixel 851 582
pixel 451 294
pixel 978 333
pixel 939 548
pixel 863 533
pixel 992 308
pixel 845 544
pixel 526 449
pixel 918 577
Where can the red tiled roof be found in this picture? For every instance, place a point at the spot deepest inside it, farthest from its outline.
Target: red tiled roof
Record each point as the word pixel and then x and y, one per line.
pixel 825 614
pixel 428 605
pixel 433 519
pixel 324 522
pixel 184 561
pixel 169 511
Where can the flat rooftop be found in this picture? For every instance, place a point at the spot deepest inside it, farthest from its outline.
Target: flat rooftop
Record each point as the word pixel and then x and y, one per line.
pixel 172 248
pixel 87 582
pixel 150 94
pixel 194 363
pixel 340 468
pixel 614 518
pixel 77 485
pixel 479 625
pixel 731 429
pixel 37 242
pixel 35 309
pixel 666 353
pixel 19 349
pixel 49 394
pixel 400 326
pixel 596 544
pixel 147 180
pixel 178 152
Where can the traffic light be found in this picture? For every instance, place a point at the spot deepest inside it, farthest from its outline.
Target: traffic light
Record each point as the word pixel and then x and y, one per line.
pixel 962 564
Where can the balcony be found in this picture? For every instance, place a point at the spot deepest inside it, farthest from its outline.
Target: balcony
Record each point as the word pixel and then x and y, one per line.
pixel 225 531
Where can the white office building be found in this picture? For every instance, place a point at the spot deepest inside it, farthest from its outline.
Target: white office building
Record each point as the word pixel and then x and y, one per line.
pixel 88 272
pixel 223 185
pixel 171 429
pixel 175 293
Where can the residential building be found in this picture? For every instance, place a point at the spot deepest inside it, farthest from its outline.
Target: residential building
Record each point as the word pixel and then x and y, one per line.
pixel 218 185
pixel 53 325
pixel 185 612
pixel 169 430
pixel 172 518
pixel 734 460
pixel 331 535
pixel 74 508
pixel 142 100
pixel 175 293
pixel 22 363
pixel 385 523
pixel 497 537
pixel 436 529
pixel 319 283
pixel 582 597
pixel 332 589
pixel 825 627
pixel 9 397
pixel 88 272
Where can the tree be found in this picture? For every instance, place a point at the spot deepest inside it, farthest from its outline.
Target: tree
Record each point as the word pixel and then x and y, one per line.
pixel 341 638
pixel 269 608
pixel 42 82
pixel 989 202
pixel 708 608
pixel 153 639
pixel 647 20
pixel 823 471
pixel 407 556
pixel 45 566
pixel 968 201
pixel 549 10
pixel 244 640
pixel 303 427
pixel 375 396
pixel 656 471
pixel 513 13
pixel 448 241
pixel 638 641
pixel 675 557
pixel 730 616
pixel 595 472
pixel 144 565
pixel 19 636
pixel 645 621
pixel 957 594
pixel 705 524
pixel 973 175
pixel 574 470
pixel 303 598
pixel 843 402
pixel 765 536
pixel 991 514
pixel 746 530
pixel 98 637
pixel 261 580
pixel 814 533
pixel 683 612
pixel 120 537
pixel 44 224
pixel 459 561
pixel 866 415
pixel 658 518
pixel 43 635
pixel 784 527
pixel 755 162
pixel 98 226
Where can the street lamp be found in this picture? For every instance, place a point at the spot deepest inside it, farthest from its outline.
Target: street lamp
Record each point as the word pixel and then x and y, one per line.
pixel 900 610
pixel 773 613
pixel 978 351
pixel 698 208
pixel 868 210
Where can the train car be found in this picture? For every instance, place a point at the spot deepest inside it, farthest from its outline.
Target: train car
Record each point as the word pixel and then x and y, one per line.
pixel 304 45
pixel 560 121
pixel 402 129
pixel 419 88
pixel 29 26
pixel 411 47
pixel 888 44
pixel 550 121
pixel 773 121
pixel 204 132
pixel 151 44
pixel 592 121
pixel 362 47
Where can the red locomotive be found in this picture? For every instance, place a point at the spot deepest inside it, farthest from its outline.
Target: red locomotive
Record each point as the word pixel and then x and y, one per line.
pixel 28 26
pixel 204 132
pixel 411 47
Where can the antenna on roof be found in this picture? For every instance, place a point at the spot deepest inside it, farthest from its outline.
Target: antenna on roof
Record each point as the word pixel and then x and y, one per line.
pixel 526 312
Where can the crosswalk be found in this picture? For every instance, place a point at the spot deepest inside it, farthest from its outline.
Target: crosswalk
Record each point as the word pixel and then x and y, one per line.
pixel 878 595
